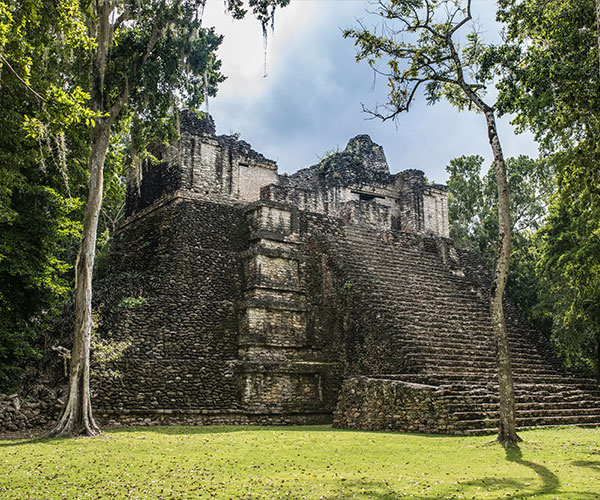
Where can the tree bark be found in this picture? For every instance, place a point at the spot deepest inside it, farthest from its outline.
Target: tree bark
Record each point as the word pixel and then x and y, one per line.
pixel 507 429
pixel 77 417
pixel 598 28
pixel 507 426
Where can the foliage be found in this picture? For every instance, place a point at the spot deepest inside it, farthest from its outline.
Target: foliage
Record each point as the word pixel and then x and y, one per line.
pixel 550 76
pixel 328 153
pixel 472 200
pixel 571 265
pixel 551 81
pixel 468 208
pixel 132 302
pixel 39 179
pixel 424 53
pixel 105 350
pixel 56 87
pixel 300 462
pixel 474 223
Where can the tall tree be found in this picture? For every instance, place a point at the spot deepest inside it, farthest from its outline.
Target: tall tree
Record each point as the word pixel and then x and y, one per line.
pixel 151 58
pixel 474 224
pixel 423 52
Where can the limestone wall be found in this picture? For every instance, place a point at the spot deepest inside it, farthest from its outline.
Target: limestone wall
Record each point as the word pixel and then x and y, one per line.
pixel 218 328
pixel 282 369
pixel 214 167
pixel 354 184
pixel 17 414
pixel 435 212
pixel 338 202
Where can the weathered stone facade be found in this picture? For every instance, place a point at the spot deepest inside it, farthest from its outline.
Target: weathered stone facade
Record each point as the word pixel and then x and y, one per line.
pixel 266 298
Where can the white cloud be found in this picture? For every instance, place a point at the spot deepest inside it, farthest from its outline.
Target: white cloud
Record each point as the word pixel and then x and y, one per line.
pixel 311 100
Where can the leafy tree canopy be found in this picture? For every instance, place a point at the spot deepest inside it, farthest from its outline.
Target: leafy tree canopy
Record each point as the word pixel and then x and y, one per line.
pixel 40 181
pixel 474 223
pixel 58 82
pixel 551 80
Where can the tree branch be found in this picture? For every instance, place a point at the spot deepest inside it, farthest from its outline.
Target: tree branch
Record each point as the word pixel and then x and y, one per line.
pixel 467 18
pixel 117 106
pixel 27 86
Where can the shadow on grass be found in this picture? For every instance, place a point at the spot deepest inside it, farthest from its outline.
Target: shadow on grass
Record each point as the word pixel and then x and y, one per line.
pixel 175 430
pixel 500 485
pixel 44 439
pixel 21 441
pixel 592 464
pixel 550 481
pixel 381 490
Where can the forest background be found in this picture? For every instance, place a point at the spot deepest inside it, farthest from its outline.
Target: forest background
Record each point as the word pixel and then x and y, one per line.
pixel 547 75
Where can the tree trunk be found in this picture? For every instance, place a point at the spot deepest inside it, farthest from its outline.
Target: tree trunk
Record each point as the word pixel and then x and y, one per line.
pixel 598 28
pixel 77 418
pixel 507 430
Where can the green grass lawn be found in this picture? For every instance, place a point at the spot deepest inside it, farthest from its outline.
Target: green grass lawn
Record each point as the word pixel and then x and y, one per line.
pixel 300 462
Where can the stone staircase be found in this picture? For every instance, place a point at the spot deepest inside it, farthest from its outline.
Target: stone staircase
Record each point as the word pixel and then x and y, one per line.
pixel 436 324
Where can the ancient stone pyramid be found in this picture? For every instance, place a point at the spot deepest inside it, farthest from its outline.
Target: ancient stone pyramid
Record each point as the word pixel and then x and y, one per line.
pixel 330 294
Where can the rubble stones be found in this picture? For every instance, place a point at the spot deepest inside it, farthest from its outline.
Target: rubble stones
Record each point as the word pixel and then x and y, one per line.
pixel 17 415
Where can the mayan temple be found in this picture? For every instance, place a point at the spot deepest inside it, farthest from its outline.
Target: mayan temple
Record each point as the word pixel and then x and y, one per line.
pixel 330 295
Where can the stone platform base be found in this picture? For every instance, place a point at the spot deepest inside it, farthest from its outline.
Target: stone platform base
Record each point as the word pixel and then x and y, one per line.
pixel 207 417
pixel 391 405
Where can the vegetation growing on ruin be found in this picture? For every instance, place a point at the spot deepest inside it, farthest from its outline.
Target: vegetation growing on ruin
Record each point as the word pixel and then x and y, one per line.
pixel 300 462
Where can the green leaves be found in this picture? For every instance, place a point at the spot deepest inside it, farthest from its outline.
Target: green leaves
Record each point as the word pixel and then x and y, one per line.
pixel 473 221
pixel 551 77
pixel 551 81
pixel 67 68
pixel 40 175
pixel 571 263
pixel 423 51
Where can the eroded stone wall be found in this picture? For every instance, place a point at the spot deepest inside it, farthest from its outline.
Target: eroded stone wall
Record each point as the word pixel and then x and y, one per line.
pixel 282 369
pixel 183 328
pixel 214 167
pixel 17 414
pixel 218 328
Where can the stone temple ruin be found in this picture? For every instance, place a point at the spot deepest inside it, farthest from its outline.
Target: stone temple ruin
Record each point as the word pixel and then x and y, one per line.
pixel 332 294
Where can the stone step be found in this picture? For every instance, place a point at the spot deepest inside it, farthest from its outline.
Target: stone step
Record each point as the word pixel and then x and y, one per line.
pixel 474 359
pixel 528 413
pixel 460 411
pixel 525 397
pixel 488 377
pixel 435 350
pixel 462 386
pixel 481 370
pixel 440 327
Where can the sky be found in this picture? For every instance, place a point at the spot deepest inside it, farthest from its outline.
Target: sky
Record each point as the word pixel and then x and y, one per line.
pixel 311 101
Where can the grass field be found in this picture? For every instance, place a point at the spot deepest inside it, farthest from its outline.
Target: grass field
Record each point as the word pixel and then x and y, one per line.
pixel 300 462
